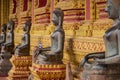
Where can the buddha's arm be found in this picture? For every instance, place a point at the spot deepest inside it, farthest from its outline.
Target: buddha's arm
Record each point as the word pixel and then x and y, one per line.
pixel 23 46
pixel 3 39
pixel 115 58
pixel 10 42
pixel 46 49
pixel 109 60
pixel 27 42
pixel 118 41
pixel 92 56
pixel 60 41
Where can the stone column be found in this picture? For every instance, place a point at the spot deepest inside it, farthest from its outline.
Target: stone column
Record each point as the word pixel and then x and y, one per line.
pixel 52 8
pixel 90 10
pixel 0 14
pixel 32 11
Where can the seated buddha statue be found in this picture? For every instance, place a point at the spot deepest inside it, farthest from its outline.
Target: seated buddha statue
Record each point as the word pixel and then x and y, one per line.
pixel 109 60
pixel 23 49
pixel 105 65
pixel 3 34
pixel 8 46
pixel 53 54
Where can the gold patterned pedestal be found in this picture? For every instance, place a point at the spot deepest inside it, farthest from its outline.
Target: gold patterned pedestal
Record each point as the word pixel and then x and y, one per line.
pixel 48 72
pixel 20 69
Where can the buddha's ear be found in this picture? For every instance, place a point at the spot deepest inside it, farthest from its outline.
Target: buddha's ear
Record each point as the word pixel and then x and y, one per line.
pixel 60 20
pixel 28 28
pixel 119 11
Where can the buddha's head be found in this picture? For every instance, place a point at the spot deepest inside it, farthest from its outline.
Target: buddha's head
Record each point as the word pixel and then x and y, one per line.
pixel 57 18
pixel 4 28
pixel 10 25
pixel 113 9
pixel 27 26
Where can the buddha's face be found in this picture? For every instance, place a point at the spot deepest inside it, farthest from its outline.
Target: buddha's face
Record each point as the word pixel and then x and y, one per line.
pixel 55 19
pixel 2 29
pixel 9 26
pixel 24 27
pixel 111 10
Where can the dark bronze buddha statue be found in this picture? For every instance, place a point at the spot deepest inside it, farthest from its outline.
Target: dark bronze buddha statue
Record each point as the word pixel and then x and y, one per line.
pixel 8 46
pixel 3 35
pixel 111 38
pixel 23 49
pixel 53 54
pixel 104 62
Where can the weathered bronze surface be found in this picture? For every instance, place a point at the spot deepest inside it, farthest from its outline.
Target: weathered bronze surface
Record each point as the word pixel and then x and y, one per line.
pixel 53 54
pixel 23 49
pixel 102 65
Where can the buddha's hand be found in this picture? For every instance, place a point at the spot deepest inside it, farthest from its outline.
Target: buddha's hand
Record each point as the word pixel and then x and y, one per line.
pixel 2 44
pixel 36 53
pixel 83 62
pixel 18 50
pixel 100 61
pixel 50 53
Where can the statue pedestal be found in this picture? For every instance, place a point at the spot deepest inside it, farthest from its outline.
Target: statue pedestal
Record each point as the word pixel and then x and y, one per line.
pixel 5 64
pixel 48 72
pixel 106 72
pixel 20 69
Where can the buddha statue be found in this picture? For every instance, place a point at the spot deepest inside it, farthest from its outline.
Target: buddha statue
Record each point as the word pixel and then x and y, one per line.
pixel 8 46
pixel 23 49
pixel 53 54
pixel 3 34
pixel 106 63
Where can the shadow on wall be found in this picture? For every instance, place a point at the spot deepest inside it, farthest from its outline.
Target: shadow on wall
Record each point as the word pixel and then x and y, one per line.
pixel 72 59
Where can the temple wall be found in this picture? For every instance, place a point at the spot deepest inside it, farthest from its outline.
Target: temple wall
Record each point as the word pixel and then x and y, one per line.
pixel 85 22
pixel 4 11
pixel 0 14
